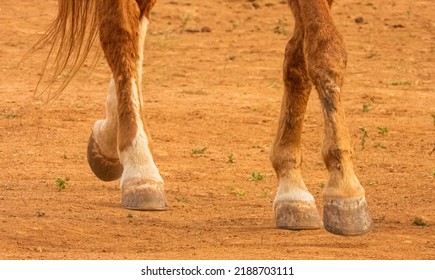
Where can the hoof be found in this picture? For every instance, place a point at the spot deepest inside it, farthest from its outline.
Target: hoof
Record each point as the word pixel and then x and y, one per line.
pixel 297 215
pixel 347 216
pixel 145 196
pixel 106 169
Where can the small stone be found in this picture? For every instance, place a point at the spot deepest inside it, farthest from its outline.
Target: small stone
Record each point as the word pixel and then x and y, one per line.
pixel 359 20
pixel 206 29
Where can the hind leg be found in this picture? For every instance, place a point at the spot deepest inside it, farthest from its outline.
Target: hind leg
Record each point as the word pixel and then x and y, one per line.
pixel 345 209
pixel 102 151
pixel 294 205
pixel 123 25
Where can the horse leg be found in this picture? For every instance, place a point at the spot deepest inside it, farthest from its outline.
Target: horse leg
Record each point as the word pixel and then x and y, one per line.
pixel 294 205
pixel 345 209
pixel 123 25
pixel 102 146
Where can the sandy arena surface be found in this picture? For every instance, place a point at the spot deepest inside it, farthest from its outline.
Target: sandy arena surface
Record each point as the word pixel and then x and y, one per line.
pixel 219 92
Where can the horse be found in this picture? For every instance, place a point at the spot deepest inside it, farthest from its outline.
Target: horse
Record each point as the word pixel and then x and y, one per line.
pixel 119 146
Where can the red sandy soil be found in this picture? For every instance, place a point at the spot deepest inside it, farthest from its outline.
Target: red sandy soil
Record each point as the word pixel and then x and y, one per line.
pixel 219 91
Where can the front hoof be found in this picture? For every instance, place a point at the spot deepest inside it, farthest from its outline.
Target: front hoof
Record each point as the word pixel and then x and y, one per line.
pixel 106 169
pixel 145 196
pixel 347 216
pixel 297 215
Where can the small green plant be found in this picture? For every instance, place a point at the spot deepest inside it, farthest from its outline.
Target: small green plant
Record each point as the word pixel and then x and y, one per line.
pixel 380 146
pixel 180 197
pixel 9 115
pixel 185 18
pixel 382 130
pixel 401 83
pixel 231 159
pixel 281 27
pixel 199 151
pixel 235 24
pixel 130 216
pixel 433 116
pixel 433 173
pixel 256 176
pixel 238 192
pixel 61 184
pixel 419 222
pixel 363 137
pixel 373 182
pixel 266 192
pixel 273 85
pixel 366 107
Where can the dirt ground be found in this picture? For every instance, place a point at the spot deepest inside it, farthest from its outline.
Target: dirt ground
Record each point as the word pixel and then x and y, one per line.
pixel 219 93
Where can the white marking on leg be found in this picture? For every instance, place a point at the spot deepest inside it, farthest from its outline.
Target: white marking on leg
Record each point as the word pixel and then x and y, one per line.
pixel 292 189
pixel 137 159
pixel 105 131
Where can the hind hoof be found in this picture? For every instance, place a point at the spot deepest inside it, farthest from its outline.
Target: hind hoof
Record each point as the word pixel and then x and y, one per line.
pixel 106 169
pixel 145 196
pixel 347 216
pixel 297 215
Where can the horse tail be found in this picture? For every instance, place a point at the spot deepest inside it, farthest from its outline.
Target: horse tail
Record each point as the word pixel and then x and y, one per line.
pixel 70 37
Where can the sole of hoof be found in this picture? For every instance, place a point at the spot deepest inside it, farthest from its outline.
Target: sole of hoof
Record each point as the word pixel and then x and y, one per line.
pixel 347 216
pixel 148 196
pixel 106 169
pixel 297 215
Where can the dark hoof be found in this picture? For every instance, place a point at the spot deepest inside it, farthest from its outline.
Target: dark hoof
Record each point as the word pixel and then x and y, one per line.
pixel 106 169
pixel 146 196
pixel 297 215
pixel 347 216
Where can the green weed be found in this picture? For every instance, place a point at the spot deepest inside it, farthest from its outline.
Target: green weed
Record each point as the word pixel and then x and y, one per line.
pixel 366 107
pixel 419 222
pixel 231 159
pixel 184 19
pixel 281 27
pixel 266 192
pixel 273 85
pixel 238 192
pixel 10 115
pixel 256 176
pixel 382 130
pixel 364 136
pixel 61 184
pixel 199 151
pixel 401 83
pixel 380 146
pixel 180 197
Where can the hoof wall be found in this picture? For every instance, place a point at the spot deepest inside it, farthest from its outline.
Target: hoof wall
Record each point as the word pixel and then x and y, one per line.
pixel 347 216
pixel 106 169
pixel 297 215
pixel 145 197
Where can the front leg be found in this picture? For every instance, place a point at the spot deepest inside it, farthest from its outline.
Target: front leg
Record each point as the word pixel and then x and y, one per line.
pixel 294 205
pixel 345 209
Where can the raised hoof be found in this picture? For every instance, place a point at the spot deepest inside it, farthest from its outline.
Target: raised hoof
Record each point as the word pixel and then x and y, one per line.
pixel 297 215
pixel 145 196
pixel 347 216
pixel 106 169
